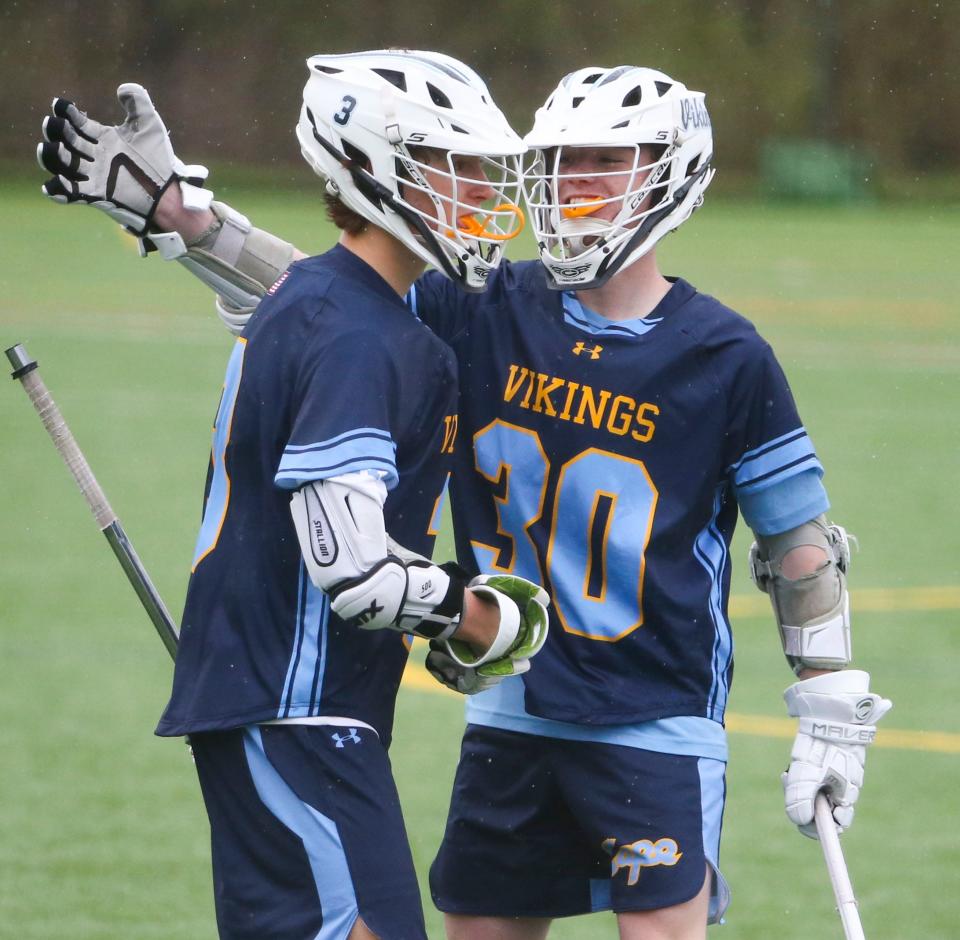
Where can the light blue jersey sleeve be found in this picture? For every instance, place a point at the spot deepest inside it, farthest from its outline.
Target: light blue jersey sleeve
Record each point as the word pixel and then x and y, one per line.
pixel 784 504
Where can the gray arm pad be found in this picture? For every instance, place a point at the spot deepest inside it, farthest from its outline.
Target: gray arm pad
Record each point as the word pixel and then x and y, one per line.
pixel 813 611
pixel 238 261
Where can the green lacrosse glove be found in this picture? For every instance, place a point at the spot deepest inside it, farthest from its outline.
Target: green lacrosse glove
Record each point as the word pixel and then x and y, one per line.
pixel 524 625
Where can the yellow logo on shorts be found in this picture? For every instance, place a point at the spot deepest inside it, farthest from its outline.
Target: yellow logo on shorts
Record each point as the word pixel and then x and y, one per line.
pixel 641 854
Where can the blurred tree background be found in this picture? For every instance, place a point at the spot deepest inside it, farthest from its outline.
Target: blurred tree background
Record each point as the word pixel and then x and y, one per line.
pixel 853 97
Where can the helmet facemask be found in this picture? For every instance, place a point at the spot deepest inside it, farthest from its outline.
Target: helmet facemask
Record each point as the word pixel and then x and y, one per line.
pixel 439 191
pixel 573 224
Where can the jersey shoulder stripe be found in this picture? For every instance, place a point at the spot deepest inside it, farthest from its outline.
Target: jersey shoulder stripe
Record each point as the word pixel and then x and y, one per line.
pixel 360 449
pixel 788 455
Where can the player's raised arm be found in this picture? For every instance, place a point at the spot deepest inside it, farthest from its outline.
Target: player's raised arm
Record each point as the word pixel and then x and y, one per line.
pixel 804 572
pixel 129 170
pixel 486 629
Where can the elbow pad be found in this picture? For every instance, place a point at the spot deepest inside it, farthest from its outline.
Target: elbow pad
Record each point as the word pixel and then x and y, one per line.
pixel 233 258
pixel 813 611
pixel 339 523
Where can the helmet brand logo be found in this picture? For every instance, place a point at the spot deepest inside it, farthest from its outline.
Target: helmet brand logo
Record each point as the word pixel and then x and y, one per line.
pixel 569 272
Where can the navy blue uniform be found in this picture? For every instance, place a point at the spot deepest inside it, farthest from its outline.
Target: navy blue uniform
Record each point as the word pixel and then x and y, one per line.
pixel 609 459
pixel 333 375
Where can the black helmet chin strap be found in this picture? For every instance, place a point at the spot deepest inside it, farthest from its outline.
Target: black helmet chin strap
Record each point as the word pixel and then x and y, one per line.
pixel 611 265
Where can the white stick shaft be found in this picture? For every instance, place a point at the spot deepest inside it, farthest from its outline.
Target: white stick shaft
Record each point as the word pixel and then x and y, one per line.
pixel 837 869
pixel 64 442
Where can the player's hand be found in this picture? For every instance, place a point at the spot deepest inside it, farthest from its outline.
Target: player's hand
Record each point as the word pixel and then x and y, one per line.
pixel 838 716
pixel 447 671
pixel 122 170
pixel 509 592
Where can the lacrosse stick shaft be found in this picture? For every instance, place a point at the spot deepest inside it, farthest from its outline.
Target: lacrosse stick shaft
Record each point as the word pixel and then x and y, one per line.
pixel 25 370
pixel 837 869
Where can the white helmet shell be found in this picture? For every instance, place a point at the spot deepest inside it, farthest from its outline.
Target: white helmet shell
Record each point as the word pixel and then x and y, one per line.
pixel 616 107
pixel 363 113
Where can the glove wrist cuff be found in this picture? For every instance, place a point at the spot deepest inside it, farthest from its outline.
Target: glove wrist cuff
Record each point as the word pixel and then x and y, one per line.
pixel 507 631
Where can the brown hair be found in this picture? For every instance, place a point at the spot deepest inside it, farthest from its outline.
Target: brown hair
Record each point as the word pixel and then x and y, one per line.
pixel 343 217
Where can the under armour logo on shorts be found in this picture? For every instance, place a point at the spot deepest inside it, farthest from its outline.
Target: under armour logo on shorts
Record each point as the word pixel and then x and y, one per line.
pixel 352 736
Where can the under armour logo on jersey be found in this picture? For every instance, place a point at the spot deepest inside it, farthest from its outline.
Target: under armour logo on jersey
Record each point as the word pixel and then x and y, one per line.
pixel 641 854
pixel 340 738
pixel 583 347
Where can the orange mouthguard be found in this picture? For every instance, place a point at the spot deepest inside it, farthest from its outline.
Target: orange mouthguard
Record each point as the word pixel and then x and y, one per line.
pixel 477 228
pixel 580 209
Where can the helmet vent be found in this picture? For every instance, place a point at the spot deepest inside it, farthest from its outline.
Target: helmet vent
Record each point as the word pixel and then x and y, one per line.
pixel 663 87
pixel 632 98
pixel 614 74
pixel 355 154
pixel 617 127
pixel 577 102
pixel 394 77
pixel 590 79
pixel 438 97
pixel 458 129
pixel 328 69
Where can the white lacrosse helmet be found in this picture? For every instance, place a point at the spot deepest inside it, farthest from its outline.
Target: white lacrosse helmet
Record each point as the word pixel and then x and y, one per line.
pixel 619 107
pixel 366 114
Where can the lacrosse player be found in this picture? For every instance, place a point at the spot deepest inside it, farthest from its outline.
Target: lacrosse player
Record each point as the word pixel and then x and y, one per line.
pixel 619 422
pixel 336 426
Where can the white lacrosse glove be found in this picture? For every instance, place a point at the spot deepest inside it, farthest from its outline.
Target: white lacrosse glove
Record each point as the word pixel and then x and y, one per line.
pixel 838 716
pixel 122 170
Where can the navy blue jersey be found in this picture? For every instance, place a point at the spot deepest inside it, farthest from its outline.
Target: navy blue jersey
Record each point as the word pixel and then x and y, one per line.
pixel 332 375
pixel 606 460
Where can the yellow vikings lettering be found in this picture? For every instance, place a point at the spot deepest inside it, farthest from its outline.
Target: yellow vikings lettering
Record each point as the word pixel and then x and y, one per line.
pixel 641 854
pixel 560 398
pixel 449 434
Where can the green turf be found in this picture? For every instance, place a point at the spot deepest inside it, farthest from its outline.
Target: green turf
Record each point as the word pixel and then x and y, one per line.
pixel 103 831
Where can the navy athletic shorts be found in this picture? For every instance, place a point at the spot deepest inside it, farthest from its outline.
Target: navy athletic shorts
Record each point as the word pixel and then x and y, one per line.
pixel 547 827
pixel 306 834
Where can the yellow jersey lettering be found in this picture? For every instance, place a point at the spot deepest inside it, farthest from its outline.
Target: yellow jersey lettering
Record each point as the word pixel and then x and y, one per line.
pixel 616 414
pixel 542 403
pixel 648 426
pixel 617 422
pixel 588 401
pixel 513 382
pixel 571 390
pixel 449 434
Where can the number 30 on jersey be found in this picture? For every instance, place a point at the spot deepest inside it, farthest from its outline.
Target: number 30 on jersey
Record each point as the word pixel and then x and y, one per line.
pixel 595 542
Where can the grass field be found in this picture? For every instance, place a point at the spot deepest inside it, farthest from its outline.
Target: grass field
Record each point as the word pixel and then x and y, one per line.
pixel 103 830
